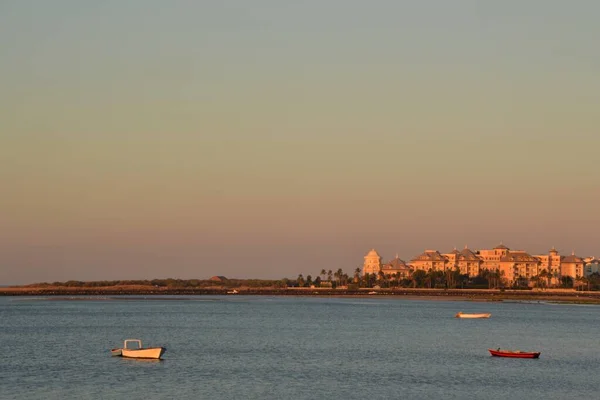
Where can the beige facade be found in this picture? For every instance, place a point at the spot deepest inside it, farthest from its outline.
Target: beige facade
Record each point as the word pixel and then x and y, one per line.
pixel 551 264
pixel 429 260
pixel 517 264
pixel 452 259
pixel 469 263
pixel 512 264
pixel 491 258
pixel 372 263
pixel 396 267
pixel 572 266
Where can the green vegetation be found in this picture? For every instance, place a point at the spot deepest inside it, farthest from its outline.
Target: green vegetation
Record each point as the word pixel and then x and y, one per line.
pixel 451 279
pixel 170 283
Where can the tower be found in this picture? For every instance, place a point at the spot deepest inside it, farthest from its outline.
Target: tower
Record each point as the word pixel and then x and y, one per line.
pixel 372 264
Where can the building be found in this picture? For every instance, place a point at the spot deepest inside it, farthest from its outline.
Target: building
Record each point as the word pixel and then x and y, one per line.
pixel 592 266
pixel 372 263
pixel 518 264
pixel 469 263
pixel 572 266
pixel 429 260
pixel 397 267
pixel 550 263
pixel 512 265
pixel 452 259
pixel 491 258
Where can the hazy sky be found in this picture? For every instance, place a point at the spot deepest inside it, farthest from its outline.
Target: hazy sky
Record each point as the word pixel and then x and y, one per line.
pixel 146 139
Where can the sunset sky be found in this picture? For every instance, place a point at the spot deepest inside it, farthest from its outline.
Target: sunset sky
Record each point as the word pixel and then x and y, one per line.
pixel 145 139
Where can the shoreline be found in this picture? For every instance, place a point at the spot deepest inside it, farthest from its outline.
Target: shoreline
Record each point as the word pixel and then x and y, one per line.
pixel 480 295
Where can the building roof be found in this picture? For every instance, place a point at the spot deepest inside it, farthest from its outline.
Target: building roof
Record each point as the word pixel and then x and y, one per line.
pixel 519 256
pixel 572 259
pixel 467 255
pixel 372 253
pixel 396 264
pixel 501 247
pixel 430 255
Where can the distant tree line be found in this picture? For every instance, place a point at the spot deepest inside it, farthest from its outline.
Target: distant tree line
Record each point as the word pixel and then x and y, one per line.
pixel 450 279
pixel 169 283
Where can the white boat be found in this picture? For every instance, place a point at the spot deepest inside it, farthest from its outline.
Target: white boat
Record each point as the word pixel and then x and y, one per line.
pixel 373 292
pixel 139 352
pixel 461 314
pixel 233 292
pixel 116 352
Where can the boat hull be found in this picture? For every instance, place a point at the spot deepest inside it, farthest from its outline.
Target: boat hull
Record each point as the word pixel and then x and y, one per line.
pixel 149 353
pixel 473 316
pixel 514 354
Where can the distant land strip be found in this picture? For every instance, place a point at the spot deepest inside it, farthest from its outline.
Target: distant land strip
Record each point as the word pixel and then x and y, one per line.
pixel 557 295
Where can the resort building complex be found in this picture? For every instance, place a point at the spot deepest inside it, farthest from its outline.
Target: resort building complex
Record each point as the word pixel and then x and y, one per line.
pixel 510 264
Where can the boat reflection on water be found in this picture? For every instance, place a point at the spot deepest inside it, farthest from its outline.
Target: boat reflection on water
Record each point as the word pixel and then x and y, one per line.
pixel 142 360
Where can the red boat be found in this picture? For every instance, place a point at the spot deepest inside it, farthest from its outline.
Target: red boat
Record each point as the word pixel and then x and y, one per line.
pixel 514 354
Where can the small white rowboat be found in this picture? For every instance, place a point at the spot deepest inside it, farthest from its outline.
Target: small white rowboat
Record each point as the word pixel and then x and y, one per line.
pixel 461 314
pixel 139 352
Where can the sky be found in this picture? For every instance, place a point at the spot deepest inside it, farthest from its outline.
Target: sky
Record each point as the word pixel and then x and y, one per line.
pixel 144 139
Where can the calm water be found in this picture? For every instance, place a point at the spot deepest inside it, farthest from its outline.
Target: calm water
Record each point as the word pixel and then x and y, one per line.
pixel 237 347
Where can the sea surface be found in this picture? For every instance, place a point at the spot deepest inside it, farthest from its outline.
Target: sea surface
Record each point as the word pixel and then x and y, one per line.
pixel 259 347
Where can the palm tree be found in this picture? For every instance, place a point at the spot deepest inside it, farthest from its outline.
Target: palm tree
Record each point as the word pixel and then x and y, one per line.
pixel 317 281
pixel 428 279
pixel 395 277
pixel 418 278
pixel 323 273
pixel 329 275
pixel 582 282
pixel 357 275
pixel 501 278
pixel 566 281
pixel 498 278
pixel 594 281
pixel 543 275
pixel 449 276
pixel 521 281
pixel 370 279
pixel 555 277
pixel 550 277
pixel 456 276
pixel 381 277
pixel 340 275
